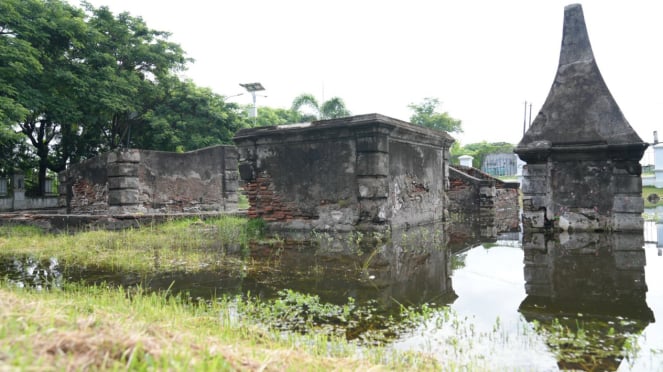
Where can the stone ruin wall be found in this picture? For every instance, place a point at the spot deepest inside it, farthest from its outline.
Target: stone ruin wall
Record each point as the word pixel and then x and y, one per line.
pixel 363 171
pixel 143 181
pixel 476 194
pixel 83 188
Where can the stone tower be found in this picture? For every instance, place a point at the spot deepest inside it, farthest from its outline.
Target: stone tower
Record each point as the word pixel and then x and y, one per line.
pixel 583 170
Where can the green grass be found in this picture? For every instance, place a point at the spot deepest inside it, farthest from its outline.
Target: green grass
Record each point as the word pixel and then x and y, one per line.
pixel 102 328
pixel 186 244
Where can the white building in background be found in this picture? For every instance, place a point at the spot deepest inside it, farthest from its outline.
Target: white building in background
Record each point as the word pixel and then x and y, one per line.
pixel 658 165
pixel 465 160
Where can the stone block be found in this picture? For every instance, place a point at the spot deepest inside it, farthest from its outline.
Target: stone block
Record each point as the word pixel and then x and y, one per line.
pixel 582 220
pixel 534 202
pixel 231 162
pixel 533 219
pixel 535 170
pixel 632 204
pixel 373 187
pixel 123 197
pixel 231 175
pixel 373 210
pixel 536 185
pixel 372 164
pixel 627 184
pixel 123 170
pixel 487 191
pixel 128 156
pixel 373 144
pixel 231 186
pixel 122 183
pixel 627 222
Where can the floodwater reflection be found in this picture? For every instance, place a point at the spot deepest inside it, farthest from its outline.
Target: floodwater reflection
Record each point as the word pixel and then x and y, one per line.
pixel 581 302
pixel 586 292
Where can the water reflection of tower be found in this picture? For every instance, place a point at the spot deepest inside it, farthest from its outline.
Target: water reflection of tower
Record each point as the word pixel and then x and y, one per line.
pixel 590 282
pixel 659 231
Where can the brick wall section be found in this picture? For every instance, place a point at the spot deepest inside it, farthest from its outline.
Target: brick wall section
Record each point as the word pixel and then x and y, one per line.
pixel 83 188
pixel 463 193
pixel 507 208
pixel 265 203
pixel 89 197
pixel 477 195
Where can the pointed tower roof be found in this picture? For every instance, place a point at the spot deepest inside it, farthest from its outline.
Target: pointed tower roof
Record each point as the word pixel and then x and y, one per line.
pixel 579 110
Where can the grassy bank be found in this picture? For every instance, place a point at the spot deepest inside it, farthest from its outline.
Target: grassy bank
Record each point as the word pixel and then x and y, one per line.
pixel 187 244
pixel 104 328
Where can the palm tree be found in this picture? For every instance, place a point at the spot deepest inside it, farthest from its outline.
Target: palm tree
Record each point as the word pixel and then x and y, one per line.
pixel 330 109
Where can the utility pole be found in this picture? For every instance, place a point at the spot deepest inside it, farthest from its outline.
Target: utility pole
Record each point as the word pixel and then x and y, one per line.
pixel 530 115
pixel 525 119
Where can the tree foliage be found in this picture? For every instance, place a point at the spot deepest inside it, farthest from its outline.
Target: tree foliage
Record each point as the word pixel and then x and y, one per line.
pixel 186 117
pixel 425 114
pixel 275 116
pixel 331 109
pixel 479 151
pixel 75 82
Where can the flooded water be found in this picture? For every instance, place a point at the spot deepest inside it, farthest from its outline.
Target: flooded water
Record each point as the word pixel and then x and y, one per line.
pixel 499 301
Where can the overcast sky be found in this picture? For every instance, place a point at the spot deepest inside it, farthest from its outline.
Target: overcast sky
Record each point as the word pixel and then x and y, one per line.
pixel 481 59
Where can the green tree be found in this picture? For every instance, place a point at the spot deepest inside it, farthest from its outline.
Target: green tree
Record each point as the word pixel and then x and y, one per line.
pixel 425 114
pixel 187 117
pixel 75 83
pixel 41 100
pixel 275 116
pixel 127 62
pixel 479 151
pixel 331 109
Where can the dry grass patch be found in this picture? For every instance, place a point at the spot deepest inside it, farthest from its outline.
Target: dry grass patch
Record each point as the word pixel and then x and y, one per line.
pixel 64 331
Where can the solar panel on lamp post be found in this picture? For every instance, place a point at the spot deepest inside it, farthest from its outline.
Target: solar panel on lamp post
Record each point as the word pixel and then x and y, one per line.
pixel 253 88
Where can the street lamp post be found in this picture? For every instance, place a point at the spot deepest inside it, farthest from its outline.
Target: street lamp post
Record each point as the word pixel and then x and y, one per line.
pixel 253 88
pixel 225 98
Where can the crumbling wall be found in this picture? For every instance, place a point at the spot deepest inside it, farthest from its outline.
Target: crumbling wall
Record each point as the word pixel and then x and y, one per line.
pixel 364 171
pixel 475 195
pixel 143 181
pixel 302 178
pixel 196 181
pixel 83 187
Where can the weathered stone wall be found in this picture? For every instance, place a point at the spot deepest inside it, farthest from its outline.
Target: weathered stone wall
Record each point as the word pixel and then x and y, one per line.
pixel 478 196
pixel 583 194
pixel 341 174
pixel 143 181
pixel 84 186
pixel 29 203
pixel 418 175
pixel 507 207
pixel 463 194
pixel 196 181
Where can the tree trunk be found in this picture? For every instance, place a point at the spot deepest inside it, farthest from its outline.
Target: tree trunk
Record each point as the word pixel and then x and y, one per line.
pixel 42 152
